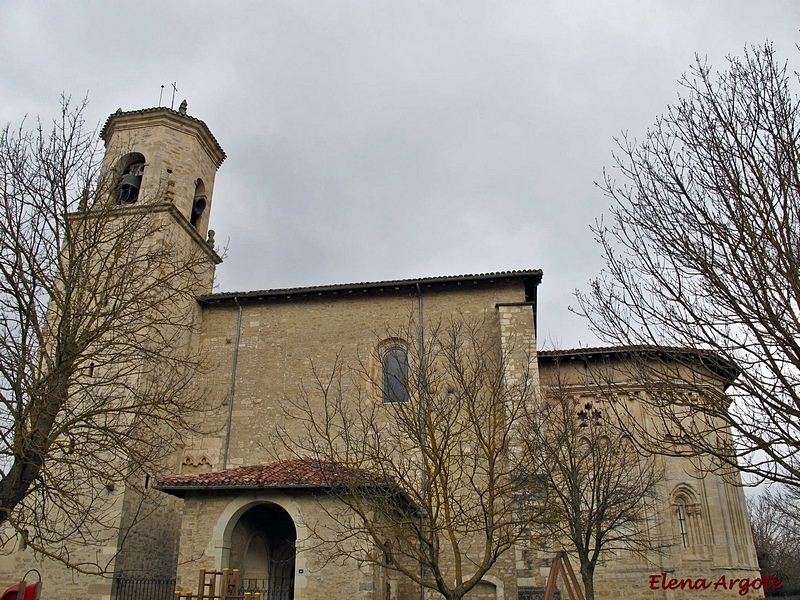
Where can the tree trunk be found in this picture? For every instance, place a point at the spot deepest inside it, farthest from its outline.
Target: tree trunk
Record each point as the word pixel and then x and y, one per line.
pixel 587 575
pixel 31 447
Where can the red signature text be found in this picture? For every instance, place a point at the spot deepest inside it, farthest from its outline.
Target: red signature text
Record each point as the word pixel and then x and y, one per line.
pixel 744 585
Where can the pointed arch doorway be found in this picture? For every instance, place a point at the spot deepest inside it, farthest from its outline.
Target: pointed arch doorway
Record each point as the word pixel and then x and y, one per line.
pixel 263 549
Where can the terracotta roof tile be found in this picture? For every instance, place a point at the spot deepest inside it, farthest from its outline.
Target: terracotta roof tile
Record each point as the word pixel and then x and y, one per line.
pixel 303 473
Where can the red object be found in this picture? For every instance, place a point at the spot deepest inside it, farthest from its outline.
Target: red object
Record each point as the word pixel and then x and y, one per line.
pixel 28 591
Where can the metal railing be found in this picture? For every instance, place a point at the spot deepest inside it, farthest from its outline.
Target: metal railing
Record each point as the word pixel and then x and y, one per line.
pixel 143 588
pixel 282 590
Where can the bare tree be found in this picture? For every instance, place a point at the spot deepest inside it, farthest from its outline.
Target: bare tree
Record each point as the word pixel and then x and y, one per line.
pixel 599 490
pixel 702 255
pixel 95 299
pixel 775 518
pixel 441 434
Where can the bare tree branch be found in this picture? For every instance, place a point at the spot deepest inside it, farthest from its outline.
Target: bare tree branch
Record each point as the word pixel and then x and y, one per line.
pixel 95 298
pixel 599 489
pixel 775 518
pixel 450 456
pixel 702 255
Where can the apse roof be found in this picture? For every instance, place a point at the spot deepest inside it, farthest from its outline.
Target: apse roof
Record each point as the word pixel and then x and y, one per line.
pixel 708 359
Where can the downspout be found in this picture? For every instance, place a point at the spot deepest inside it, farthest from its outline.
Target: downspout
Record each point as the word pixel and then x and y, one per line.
pixel 421 386
pixel 421 371
pixel 423 513
pixel 233 384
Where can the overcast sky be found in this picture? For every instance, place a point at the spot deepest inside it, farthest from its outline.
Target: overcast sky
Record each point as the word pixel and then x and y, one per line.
pixel 386 140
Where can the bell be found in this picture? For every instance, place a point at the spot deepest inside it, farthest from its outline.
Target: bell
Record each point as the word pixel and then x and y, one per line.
pixel 134 182
pixel 128 190
pixel 199 206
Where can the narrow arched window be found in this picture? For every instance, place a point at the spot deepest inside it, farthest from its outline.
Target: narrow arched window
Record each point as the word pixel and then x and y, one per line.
pixel 691 527
pixel 394 364
pixel 199 202
pixel 130 181
pixel 683 528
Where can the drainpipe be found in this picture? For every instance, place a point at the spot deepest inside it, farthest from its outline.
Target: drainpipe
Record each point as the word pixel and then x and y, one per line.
pixel 421 387
pixel 421 370
pixel 422 512
pixel 233 383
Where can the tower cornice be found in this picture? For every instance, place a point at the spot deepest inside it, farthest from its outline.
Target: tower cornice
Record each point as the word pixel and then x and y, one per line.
pixel 166 117
pixel 162 207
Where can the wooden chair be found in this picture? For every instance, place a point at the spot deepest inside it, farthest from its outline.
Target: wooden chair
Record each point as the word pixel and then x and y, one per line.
pixel 218 585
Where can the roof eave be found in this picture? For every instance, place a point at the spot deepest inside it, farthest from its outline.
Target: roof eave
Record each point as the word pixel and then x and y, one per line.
pixel 533 275
pixel 727 370
pixel 166 115
pixel 180 490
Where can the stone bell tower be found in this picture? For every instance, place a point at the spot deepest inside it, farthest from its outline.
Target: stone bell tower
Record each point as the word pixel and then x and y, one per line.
pixel 166 160
pixel 161 164
pixel 139 255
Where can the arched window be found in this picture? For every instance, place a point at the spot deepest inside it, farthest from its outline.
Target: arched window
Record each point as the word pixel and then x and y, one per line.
pixel 683 527
pixel 130 181
pixel 199 203
pixel 394 366
pixel 688 518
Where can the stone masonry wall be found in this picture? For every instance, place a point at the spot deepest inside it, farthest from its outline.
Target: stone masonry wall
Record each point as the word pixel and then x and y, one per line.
pixel 279 342
pixel 720 540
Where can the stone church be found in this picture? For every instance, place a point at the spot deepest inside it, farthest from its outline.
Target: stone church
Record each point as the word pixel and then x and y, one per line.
pixel 224 501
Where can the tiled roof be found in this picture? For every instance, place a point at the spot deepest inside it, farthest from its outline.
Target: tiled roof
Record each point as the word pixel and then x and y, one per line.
pixel 698 356
pixel 396 284
pixel 615 350
pixel 294 473
pixel 173 113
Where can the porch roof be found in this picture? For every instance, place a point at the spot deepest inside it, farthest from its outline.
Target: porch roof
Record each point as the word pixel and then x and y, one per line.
pixel 294 473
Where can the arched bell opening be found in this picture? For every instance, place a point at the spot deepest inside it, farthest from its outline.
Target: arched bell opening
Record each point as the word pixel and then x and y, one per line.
pixel 131 170
pixel 263 549
pixel 199 203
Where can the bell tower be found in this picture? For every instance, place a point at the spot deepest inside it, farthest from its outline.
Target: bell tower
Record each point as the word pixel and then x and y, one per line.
pixel 153 204
pixel 166 160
